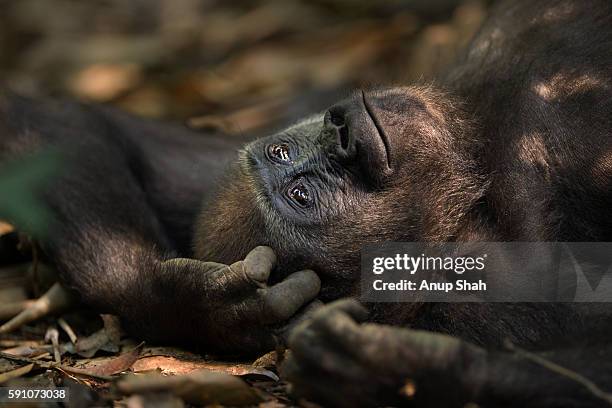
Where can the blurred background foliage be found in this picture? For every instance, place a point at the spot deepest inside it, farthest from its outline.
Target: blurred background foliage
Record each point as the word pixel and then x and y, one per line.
pixel 20 181
pixel 237 66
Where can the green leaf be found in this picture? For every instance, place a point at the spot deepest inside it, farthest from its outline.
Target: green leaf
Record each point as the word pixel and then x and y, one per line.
pixel 21 182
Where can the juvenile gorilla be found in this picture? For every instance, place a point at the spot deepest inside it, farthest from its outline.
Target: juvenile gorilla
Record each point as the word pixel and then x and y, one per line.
pixel 512 144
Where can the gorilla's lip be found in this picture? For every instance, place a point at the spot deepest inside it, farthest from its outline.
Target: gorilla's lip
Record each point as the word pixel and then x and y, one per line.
pixel 379 129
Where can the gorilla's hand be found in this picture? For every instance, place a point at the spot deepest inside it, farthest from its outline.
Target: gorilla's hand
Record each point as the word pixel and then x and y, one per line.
pixel 230 308
pixel 338 362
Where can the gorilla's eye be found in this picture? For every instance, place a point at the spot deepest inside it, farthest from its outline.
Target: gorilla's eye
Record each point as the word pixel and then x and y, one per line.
pixel 279 152
pixel 300 194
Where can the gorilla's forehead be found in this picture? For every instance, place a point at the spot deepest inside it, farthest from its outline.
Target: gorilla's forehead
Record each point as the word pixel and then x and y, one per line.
pixel 310 125
pixel 302 132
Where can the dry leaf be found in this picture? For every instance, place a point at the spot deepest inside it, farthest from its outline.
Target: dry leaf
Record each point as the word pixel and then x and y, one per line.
pixel 172 365
pixel 7 365
pixel 115 365
pixel 28 350
pixel 268 360
pixel 16 373
pixel 201 387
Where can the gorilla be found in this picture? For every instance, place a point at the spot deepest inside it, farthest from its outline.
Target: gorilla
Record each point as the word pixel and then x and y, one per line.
pixel 230 249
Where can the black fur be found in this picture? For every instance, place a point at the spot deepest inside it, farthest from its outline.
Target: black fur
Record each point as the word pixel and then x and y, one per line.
pixel 513 143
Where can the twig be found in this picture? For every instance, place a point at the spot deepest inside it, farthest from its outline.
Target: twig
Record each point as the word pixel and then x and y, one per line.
pixel 40 357
pixel 73 377
pixel 19 343
pixel 54 300
pixel 66 327
pixel 12 309
pixel 52 335
pixel 565 372
pixel 17 358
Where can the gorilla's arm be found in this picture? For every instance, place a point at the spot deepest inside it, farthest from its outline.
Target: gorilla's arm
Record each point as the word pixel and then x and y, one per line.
pixel 118 208
pixel 402 367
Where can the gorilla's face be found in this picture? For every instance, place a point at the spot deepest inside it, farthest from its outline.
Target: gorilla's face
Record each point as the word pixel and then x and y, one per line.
pixel 375 167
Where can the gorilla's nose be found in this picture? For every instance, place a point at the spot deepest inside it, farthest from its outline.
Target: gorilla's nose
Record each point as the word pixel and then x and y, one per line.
pixel 335 120
pixel 358 136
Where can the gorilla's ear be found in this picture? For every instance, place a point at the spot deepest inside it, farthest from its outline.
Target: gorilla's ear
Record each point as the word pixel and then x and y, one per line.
pixel 230 224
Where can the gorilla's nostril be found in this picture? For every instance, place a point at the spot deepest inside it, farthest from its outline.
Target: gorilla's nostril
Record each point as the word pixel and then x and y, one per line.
pixel 336 118
pixel 344 137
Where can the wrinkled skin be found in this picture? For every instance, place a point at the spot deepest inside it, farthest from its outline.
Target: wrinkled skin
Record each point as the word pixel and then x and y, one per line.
pixel 240 301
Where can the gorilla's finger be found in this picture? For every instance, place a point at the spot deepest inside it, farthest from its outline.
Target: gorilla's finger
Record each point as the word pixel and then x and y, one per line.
pixel 282 300
pixel 318 353
pixel 312 358
pixel 250 273
pixel 231 279
pixel 259 263
pixel 349 306
pixel 341 330
pixel 308 347
pixel 220 279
